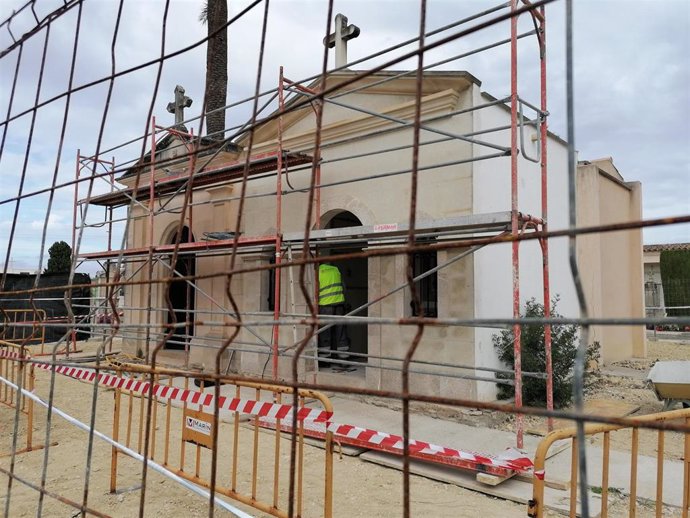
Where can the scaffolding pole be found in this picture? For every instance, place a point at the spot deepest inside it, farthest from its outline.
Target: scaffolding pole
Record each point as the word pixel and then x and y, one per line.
pixel 517 222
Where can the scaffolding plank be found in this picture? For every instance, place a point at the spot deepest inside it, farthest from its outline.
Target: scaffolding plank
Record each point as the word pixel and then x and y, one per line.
pixel 493 222
pixel 193 247
pixel 470 223
pixel 264 163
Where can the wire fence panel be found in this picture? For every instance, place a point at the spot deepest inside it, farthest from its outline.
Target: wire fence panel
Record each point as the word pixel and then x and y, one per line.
pixel 251 459
pixel 369 235
pixel 23 325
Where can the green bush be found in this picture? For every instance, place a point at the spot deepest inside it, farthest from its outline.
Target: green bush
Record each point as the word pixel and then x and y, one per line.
pixel 564 341
pixel 675 278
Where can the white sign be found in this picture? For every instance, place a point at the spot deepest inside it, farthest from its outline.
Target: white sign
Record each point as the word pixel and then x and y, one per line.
pixel 198 426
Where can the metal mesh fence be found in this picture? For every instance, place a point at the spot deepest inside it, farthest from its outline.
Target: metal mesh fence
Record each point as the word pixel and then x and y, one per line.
pixel 667 299
pixel 319 243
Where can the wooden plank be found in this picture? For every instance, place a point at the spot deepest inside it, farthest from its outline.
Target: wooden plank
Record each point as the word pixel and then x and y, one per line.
pixel 492 480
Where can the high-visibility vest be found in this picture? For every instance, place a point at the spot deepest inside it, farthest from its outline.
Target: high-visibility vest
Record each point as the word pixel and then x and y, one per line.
pixel 331 289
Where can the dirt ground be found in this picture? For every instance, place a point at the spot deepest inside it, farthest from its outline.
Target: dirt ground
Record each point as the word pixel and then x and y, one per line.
pixel 361 489
pixel 622 386
pixel 635 391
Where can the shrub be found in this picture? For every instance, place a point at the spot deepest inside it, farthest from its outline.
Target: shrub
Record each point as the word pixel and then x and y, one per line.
pixel 675 278
pixel 564 341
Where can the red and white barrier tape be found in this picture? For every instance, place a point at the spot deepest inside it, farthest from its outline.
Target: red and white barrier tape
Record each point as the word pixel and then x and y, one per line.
pixel 315 420
pixel 509 459
pixel 194 397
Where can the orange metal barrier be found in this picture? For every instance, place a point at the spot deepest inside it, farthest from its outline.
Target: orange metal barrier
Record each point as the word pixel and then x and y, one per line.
pixel 252 463
pixel 23 326
pixel 537 505
pixel 21 373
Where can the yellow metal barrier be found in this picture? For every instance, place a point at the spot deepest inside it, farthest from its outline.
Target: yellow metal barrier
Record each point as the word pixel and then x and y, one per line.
pixel 537 505
pixel 253 462
pixel 15 368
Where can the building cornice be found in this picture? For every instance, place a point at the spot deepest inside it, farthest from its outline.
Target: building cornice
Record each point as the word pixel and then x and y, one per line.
pixel 440 102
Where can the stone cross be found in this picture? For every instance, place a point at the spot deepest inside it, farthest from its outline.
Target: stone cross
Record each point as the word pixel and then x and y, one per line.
pixel 177 107
pixel 338 39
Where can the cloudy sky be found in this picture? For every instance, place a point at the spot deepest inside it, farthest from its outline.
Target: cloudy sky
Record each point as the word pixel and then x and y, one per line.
pixel 632 93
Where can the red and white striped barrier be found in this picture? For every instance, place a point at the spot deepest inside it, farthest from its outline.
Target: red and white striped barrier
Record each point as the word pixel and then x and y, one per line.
pixel 510 459
pixel 193 397
pixel 505 464
pixel 10 355
pixel 316 423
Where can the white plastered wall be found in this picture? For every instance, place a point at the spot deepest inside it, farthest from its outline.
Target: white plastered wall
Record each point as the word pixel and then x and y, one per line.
pixel 443 192
pixel 493 264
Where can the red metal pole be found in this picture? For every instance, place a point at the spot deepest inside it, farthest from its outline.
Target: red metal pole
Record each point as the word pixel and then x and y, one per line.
pixel 317 194
pixel 514 223
pixel 190 237
pixel 73 334
pixel 109 212
pixel 544 216
pixel 150 233
pixel 318 103
pixel 317 220
pixel 76 199
pixel 279 231
pixel 151 178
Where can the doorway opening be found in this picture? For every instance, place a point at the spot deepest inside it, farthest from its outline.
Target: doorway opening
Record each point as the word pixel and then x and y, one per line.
pixel 182 296
pixel 355 277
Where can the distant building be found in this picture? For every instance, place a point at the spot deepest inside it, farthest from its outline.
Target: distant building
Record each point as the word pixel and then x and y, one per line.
pixel 653 287
pixel 611 262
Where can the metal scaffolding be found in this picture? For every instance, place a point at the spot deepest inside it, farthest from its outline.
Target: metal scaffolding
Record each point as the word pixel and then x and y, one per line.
pixel 451 229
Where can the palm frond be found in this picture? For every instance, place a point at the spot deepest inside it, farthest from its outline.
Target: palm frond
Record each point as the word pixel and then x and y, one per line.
pixel 203 15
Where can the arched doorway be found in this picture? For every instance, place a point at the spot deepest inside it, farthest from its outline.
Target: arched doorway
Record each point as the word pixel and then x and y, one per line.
pixel 182 296
pixel 355 276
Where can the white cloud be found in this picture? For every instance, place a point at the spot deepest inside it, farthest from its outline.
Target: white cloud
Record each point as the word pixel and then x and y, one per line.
pixel 55 221
pixel 631 83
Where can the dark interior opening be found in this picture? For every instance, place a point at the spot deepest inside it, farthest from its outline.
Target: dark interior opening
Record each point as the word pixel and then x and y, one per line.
pixel 427 288
pixel 182 296
pixel 355 276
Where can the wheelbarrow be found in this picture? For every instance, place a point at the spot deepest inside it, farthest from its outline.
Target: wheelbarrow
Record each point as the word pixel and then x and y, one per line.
pixel 670 380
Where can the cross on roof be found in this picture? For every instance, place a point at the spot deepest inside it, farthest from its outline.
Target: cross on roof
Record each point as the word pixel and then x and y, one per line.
pixel 343 33
pixel 177 107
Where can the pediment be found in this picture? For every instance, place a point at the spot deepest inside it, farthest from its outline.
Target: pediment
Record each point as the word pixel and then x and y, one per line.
pixel 435 104
pixel 606 164
pixel 439 90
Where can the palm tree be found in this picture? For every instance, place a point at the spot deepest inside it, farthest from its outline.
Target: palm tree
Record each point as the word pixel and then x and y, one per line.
pixel 214 15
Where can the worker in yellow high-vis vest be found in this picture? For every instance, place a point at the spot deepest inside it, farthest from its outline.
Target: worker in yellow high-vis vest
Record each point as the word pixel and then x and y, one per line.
pixel 333 342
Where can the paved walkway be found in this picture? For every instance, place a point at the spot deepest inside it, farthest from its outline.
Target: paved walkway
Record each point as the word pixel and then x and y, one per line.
pixel 457 435
pixel 485 440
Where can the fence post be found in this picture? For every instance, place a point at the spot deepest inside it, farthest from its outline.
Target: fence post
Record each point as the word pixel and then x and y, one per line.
pixel 116 437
